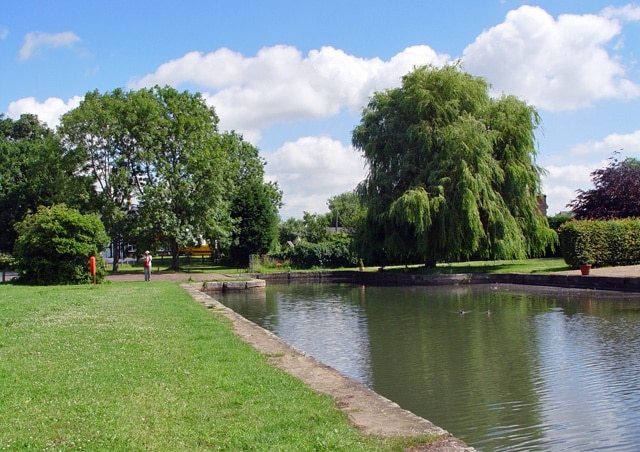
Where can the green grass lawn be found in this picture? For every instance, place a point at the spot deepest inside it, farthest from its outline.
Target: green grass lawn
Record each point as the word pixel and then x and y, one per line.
pixel 541 265
pixel 139 367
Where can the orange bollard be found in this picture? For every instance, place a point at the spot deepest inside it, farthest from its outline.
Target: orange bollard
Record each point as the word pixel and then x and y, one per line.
pixel 92 268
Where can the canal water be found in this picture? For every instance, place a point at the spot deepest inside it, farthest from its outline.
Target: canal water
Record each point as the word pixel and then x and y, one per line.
pixel 521 368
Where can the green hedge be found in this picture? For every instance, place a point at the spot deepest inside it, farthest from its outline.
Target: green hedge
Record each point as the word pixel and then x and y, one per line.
pixel 602 243
pixel 334 253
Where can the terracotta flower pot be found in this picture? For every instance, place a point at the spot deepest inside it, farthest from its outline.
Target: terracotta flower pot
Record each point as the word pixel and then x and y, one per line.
pixel 585 269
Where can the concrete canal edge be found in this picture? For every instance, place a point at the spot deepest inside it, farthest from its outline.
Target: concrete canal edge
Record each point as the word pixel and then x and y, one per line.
pixel 370 412
pixel 565 281
pixel 233 285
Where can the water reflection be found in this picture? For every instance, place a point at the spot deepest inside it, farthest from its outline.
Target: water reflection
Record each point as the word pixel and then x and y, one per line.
pixel 543 371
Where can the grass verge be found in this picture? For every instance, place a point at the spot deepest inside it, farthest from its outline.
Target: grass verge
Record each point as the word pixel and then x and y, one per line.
pixel 135 366
pixel 540 265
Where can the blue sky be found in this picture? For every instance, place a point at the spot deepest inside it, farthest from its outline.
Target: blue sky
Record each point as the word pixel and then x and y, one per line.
pixel 293 76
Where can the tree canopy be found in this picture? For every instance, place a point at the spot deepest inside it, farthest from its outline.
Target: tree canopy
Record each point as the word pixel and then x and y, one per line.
pixel 254 202
pixel 184 169
pixel 452 172
pixel 346 211
pixel 35 170
pixel 256 222
pixel 159 163
pixel 616 192
pixel 104 132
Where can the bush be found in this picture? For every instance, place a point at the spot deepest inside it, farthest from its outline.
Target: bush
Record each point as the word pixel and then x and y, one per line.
pixel 333 253
pixel 601 243
pixel 54 245
pixel 558 220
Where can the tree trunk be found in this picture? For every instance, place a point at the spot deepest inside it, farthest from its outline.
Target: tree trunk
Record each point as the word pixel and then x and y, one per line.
pixel 175 256
pixel 430 262
pixel 116 256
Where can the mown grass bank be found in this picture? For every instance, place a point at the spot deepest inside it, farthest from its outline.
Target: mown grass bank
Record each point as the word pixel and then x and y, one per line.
pixel 538 265
pixel 139 366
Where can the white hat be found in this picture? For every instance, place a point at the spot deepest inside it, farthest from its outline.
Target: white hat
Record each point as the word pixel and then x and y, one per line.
pixel 146 252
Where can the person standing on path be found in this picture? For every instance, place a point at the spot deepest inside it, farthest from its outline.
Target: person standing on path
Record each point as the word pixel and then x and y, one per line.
pixel 147 266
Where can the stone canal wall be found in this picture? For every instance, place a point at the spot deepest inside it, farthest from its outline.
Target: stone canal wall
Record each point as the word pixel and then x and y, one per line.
pixel 231 286
pixel 624 284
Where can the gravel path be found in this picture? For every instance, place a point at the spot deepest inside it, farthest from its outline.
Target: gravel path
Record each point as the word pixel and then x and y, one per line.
pixel 629 271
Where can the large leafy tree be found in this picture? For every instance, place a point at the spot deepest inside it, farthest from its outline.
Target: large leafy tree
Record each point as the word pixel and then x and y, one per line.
pixel 254 204
pixel 290 231
pixel 35 170
pixel 108 133
pixel 616 192
pixel 185 170
pixel 159 164
pixel 452 172
pixel 256 218
pixel 315 227
pixel 312 228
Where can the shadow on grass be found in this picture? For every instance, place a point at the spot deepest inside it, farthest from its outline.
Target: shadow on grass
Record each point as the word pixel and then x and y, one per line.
pixel 524 266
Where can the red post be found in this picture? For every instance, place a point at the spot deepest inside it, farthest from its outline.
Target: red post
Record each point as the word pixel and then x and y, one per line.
pixel 92 268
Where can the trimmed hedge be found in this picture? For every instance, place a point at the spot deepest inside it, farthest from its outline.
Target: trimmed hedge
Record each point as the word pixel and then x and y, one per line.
pixel 601 243
pixel 334 253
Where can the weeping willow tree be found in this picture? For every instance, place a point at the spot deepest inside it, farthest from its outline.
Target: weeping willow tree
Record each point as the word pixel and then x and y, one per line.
pixel 452 173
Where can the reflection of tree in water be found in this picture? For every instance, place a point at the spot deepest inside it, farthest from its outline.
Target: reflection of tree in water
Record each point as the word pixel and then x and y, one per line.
pixel 491 380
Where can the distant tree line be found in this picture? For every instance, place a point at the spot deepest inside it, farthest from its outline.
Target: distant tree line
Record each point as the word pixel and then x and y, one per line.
pixel 153 167
pixel 451 176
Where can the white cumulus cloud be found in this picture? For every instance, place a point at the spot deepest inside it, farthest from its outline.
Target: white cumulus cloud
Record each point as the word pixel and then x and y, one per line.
pixel 628 145
pixel 37 39
pixel 555 64
pixel 561 182
pixel 280 85
pixel 48 111
pixel 310 170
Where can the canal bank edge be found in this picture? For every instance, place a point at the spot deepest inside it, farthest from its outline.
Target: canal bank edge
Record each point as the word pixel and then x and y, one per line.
pixel 367 410
pixel 564 280
pixel 370 412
